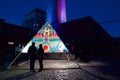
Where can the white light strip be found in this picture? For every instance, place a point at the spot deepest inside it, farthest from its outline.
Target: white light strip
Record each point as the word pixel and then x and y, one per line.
pixel 11 43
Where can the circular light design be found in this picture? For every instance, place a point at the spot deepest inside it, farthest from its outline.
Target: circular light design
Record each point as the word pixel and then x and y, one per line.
pixel 46 48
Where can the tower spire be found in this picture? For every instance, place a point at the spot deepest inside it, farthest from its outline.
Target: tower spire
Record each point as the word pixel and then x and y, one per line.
pixel 61 7
pixel 56 12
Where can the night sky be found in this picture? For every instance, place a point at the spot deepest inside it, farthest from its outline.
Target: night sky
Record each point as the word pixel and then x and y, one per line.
pixel 105 12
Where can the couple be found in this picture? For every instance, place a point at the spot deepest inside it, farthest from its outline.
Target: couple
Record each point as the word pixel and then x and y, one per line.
pixel 33 54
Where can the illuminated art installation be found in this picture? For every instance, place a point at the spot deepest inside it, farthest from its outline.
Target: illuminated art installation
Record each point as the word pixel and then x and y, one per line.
pixel 49 38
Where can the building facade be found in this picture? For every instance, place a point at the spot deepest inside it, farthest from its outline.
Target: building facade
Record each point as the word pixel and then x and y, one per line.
pixel 34 19
pixel 10 36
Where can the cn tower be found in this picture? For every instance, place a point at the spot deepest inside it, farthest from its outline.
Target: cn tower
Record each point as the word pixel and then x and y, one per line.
pixel 56 11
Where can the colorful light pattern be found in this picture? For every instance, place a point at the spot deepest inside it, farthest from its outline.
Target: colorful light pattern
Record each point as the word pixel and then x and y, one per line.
pixel 49 38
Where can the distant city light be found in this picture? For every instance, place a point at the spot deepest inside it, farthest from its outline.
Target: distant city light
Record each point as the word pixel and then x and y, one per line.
pixel 11 43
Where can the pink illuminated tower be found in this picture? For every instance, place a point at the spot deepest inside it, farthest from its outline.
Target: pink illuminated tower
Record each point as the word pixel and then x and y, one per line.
pixel 56 12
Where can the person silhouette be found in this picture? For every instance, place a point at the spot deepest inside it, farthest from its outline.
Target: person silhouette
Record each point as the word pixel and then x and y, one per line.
pixel 32 54
pixel 40 53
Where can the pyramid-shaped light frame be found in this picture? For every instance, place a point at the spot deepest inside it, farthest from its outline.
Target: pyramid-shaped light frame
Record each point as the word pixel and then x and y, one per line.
pixel 50 40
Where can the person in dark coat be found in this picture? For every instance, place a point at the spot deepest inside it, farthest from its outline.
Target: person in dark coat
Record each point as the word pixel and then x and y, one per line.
pixel 40 57
pixel 32 54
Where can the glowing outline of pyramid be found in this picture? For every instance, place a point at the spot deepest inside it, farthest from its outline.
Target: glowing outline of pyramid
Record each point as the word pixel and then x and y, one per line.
pixel 49 38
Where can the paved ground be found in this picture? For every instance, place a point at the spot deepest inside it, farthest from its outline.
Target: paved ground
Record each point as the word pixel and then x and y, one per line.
pixel 65 70
pixel 50 64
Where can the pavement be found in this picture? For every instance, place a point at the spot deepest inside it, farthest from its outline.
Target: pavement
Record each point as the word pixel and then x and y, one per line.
pixel 64 70
pixel 49 64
